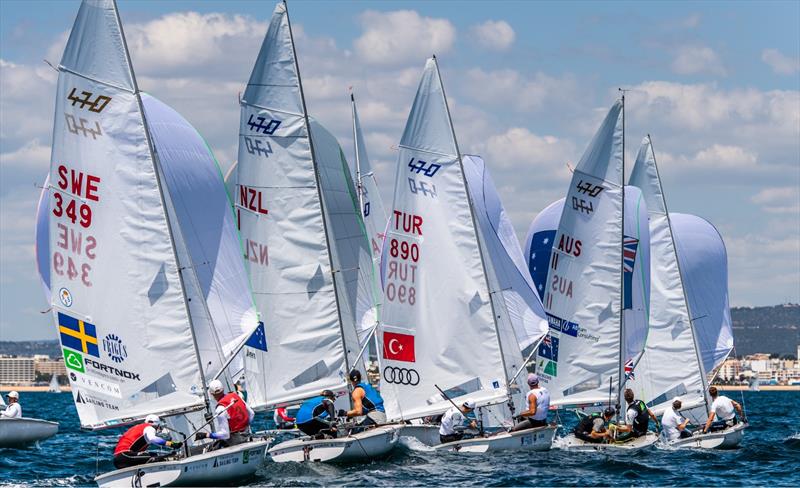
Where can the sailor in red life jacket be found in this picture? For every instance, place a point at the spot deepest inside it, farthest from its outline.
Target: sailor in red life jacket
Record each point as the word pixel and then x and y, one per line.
pixel 232 417
pixel 282 419
pixel 132 447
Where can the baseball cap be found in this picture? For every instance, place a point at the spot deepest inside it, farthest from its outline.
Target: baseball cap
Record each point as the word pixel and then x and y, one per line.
pixel 215 386
pixel 470 404
pixel 533 379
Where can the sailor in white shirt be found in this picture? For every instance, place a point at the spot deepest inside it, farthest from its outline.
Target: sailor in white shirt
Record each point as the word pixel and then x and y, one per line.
pixel 673 425
pixel 13 410
pixel 453 418
pixel 722 413
pixel 538 406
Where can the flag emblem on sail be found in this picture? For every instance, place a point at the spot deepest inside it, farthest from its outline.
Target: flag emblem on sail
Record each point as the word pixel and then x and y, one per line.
pixel 77 334
pixel 629 370
pixel 398 347
pixel 548 348
pixel 629 247
pixel 258 340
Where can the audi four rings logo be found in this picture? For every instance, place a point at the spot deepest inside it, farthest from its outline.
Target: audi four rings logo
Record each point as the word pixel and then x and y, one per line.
pixel 401 376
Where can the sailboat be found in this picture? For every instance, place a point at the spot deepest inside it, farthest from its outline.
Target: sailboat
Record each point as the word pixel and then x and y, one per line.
pixel 306 250
pixel 672 364
pixel 137 310
pixel 446 335
pixel 20 432
pixel 597 323
pixel 54 387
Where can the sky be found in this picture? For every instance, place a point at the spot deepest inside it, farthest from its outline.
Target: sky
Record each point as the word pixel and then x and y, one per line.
pixel 717 85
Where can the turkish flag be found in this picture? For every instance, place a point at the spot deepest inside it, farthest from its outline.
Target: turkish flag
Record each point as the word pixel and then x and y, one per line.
pixel 398 347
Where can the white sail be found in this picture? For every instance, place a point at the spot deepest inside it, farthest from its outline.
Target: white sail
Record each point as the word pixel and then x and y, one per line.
pixel 374 216
pixel 116 291
pixel 704 266
pixel 53 387
pixel 583 293
pixel 436 309
pixel 670 364
pixel 281 221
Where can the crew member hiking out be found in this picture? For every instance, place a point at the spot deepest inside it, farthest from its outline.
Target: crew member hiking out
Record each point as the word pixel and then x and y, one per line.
pixel 366 401
pixel 637 418
pixel 232 417
pixel 722 413
pixel 316 416
pixel 131 449
pixel 592 428
pixel 452 427
pixel 538 406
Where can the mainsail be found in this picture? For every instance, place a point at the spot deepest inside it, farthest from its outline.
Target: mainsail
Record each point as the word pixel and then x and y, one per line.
pixel 438 326
pixel 304 243
pixel 116 288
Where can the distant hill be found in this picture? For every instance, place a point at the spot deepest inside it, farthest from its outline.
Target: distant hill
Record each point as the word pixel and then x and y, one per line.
pixel 30 348
pixel 773 330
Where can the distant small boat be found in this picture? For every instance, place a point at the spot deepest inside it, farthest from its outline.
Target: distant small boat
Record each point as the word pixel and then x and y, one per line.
pixel 54 386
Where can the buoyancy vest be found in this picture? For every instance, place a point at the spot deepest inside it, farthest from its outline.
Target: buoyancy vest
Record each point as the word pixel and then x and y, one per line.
pixel 642 421
pixel 132 440
pixel 239 419
pixel 312 408
pixel 372 399
pixel 586 424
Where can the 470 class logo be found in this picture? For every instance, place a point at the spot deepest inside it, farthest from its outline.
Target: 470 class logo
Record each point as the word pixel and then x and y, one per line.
pixel 423 167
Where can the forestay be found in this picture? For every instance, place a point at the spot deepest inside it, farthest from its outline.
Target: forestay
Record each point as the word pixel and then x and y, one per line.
pixel 116 291
pixel 278 204
pixel 438 327
pixel 669 366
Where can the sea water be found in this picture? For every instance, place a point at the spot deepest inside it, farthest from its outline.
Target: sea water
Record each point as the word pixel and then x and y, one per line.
pixel 769 455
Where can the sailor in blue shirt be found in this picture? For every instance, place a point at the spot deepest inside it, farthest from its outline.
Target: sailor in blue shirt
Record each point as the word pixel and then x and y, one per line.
pixel 316 415
pixel 366 402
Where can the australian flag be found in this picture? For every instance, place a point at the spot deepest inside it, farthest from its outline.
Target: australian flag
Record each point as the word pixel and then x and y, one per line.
pixel 258 340
pixel 539 259
pixel 548 348
pixel 629 247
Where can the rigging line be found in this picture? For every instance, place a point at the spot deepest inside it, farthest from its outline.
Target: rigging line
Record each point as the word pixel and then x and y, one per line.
pixel 428 151
pixel 248 104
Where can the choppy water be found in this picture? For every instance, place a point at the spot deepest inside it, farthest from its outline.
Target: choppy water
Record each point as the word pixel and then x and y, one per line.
pixel 769 455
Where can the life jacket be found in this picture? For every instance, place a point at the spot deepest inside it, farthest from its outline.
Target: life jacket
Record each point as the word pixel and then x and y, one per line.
pixel 312 408
pixel 239 419
pixel 132 440
pixel 587 423
pixel 372 399
pixel 642 421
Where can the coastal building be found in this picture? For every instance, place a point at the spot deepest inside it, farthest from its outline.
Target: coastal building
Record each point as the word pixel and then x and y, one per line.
pixel 45 365
pixel 17 370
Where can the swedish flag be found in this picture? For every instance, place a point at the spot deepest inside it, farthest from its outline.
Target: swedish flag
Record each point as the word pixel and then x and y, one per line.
pixel 78 335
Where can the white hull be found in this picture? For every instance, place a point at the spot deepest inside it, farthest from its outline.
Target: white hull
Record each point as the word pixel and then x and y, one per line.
pixel 370 444
pixel 723 439
pixel 572 443
pixel 427 434
pixel 211 468
pixel 537 439
pixel 23 431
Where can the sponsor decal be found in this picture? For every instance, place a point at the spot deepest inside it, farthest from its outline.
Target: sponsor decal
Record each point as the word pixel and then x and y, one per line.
pixel 111 370
pixel 398 347
pixel 561 325
pixel 258 340
pixel 195 467
pixel 73 361
pixel 224 461
pixel 84 398
pixel 114 347
pixel 95 106
pixel 245 457
pixel 401 376
pixel 78 335
pixel 96 385
pixel 65 296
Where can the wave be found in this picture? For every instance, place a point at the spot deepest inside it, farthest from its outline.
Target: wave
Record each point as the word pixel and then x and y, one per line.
pixel 793 442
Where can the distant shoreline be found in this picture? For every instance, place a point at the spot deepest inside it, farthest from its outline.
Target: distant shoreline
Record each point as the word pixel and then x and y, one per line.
pixel 31 388
pixel 760 387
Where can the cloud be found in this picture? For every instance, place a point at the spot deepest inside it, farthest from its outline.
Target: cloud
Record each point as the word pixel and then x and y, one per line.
pixel 779 200
pixel 518 91
pixel 32 155
pixel 693 60
pixel 520 148
pixel 401 36
pixel 496 35
pixel 780 63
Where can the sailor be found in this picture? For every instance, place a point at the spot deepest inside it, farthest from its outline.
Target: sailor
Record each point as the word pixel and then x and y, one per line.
pixel 592 428
pixel 722 409
pixel 131 449
pixel 637 418
pixel 538 406
pixel 366 401
pixel 451 429
pixel 673 425
pixel 282 419
pixel 14 409
pixel 232 417
pixel 316 415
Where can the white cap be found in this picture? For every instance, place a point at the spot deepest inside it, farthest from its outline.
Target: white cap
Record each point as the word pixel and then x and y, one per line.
pixel 13 394
pixel 215 386
pixel 152 419
pixel 470 404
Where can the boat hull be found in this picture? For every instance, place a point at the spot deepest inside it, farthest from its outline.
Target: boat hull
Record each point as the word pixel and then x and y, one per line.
pixel 211 468
pixel 572 443
pixel 536 439
pixel 25 431
pixel 723 439
pixel 370 444
pixel 427 434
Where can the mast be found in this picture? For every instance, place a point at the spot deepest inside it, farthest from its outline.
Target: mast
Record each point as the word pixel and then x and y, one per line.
pixel 319 193
pixel 359 187
pixel 159 183
pixel 622 272
pixel 474 226
pixel 701 366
